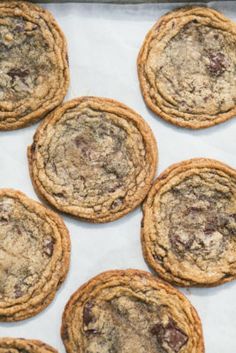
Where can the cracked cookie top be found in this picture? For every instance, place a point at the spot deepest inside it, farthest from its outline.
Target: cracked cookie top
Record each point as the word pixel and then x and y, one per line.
pixel 20 345
pixel 187 67
pixel 189 224
pixel 34 256
pixel 130 311
pixel 33 64
pixel 93 158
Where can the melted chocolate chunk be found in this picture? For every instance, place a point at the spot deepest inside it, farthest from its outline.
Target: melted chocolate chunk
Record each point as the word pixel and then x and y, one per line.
pixel 181 242
pixel 118 202
pixel 64 333
pixel 33 147
pixel 87 313
pixel 22 73
pixel 218 63
pixel 92 332
pixel 192 210
pixel 19 28
pixel 18 291
pixel 59 194
pixel 171 335
pixel 49 247
pixel 4 218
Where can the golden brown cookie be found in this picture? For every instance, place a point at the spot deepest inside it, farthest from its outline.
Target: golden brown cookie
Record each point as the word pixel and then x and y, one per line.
pixel 130 311
pixel 20 345
pixel 33 64
pixel 34 255
pixel 93 158
pixel 189 224
pixel 186 67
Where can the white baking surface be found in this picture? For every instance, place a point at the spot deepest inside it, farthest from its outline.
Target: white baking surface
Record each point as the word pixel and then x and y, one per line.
pixel 104 41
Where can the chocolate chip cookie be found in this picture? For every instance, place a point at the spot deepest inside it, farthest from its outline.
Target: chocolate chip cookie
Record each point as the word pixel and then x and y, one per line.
pixel 34 255
pixel 130 311
pixel 186 67
pixel 33 64
pixel 20 345
pixel 189 224
pixel 93 158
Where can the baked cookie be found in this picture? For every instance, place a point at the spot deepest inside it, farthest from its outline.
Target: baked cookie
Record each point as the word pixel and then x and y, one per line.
pixel 189 224
pixel 34 255
pixel 19 345
pixel 33 64
pixel 186 67
pixel 93 158
pixel 130 311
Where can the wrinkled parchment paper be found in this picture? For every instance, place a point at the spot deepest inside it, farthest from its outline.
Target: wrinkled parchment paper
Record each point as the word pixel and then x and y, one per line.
pixel 104 41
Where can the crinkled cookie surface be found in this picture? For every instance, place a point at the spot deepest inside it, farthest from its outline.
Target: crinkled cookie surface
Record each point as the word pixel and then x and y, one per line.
pixel 93 158
pixel 189 224
pixel 33 64
pixel 130 311
pixel 34 256
pixel 187 67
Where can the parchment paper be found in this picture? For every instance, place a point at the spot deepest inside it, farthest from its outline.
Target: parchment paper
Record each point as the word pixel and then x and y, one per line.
pixel 104 41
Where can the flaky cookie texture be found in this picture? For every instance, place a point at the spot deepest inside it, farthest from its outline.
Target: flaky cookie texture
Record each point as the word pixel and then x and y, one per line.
pixel 35 255
pixel 33 64
pixel 20 345
pixel 186 67
pixel 93 158
pixel 189 224
pixel 130 311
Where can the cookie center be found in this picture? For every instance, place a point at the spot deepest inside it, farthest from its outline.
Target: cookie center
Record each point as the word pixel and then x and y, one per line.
pixel 93 161
pixel 197 70
pixel 25 249
pixel 200 219
pixel 125 324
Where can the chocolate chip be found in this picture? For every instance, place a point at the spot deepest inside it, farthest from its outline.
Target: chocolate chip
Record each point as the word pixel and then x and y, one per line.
pixel 59 194
pixel 118 202
pixel 78 141
pixel 49 247
pixel 33 147
pixel 34 27
pixel 18 291
pixel 174 336
pixel 210 228
pixel 87 313
pixel 231 224
pixel 181 243
pixel 22 73
pixel 158 257
pixel 64 333
pixel 4 219
pixel 171 335
pixel 158 330
pixel 92 332
pixel 192 209
pixel 218 63
pixel 83 145
pixel 18 230
pixel 20 27
pixel 67 59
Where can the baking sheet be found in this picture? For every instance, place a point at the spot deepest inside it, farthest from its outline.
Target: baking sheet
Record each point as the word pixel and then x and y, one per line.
pixel 104 41
pixel 111 1
pixel 118 1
